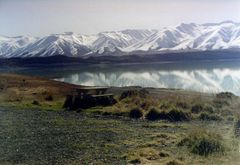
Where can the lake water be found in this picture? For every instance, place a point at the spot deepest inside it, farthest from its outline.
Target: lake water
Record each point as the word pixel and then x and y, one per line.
pixel 198 76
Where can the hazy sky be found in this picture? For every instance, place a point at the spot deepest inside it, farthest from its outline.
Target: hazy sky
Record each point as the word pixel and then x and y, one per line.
pixel 42 17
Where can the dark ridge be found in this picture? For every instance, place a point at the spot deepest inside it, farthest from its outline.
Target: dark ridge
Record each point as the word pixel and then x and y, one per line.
pixel 169 57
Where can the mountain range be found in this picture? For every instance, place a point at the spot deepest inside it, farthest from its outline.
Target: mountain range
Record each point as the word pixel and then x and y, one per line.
pixel 180 38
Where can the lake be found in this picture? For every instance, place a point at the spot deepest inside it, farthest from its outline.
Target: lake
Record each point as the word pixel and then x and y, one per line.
pixel 204 76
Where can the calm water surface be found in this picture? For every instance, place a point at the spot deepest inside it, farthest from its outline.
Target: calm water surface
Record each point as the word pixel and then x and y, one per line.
pixel 198 76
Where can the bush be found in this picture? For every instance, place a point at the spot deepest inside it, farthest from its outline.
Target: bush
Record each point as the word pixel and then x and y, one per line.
pixel 182 105
pixel 145 105
pixel 135 113
pixel 206 116
pixel 49 98
pixel 197 108
pixel 166 105
pixel 203 143
pixel 206 146
pixel 129 93
pixel 237 128
pixel 177 115
pixel 164 154
pixel 209 109
pixel 135 161
pixel 153 114
pixel 143 93
pixel 35 103
pixel 225 95
pixel 174 115
pixel 174 162
pixel 219 103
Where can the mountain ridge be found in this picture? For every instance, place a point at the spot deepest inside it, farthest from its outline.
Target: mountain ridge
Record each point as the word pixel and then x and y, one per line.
pixel 180 38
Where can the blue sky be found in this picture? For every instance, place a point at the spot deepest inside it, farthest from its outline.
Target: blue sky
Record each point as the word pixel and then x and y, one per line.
pixel 43 17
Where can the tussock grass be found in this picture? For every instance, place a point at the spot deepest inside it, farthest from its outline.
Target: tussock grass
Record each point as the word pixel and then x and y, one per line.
pixel 197 108
pixel 174 162
pixel 203 143
pixel 182 105
pixel 130 93
pixel 166 105
pixel 141 155
pixel 35 102
pixel 173 115
pixel 225 95
pixel 206 116
pixel 135 113
pixel 49 98
pixel 237 127
pixel 152 114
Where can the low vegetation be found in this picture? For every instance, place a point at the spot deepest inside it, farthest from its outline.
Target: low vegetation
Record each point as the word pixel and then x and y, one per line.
pixel 225 95
pixel 203 143
pixel 135 113
pixel 237 127
pixel 197 108
pixel 133 93
pixel 173 115
pixel 49 98
pixel 153 114
pixel 140 126
pixel 35 102
pixel 206 116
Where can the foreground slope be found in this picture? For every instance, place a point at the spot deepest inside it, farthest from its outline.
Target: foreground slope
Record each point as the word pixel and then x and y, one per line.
pixel 164 134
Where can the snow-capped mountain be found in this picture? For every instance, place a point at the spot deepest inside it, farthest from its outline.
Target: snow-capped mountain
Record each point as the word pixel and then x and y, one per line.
pixel 8 45
pixel 180 38
pixel 55 44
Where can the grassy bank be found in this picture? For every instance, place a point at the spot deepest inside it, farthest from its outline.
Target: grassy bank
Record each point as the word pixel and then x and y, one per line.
pixel 49 137
pixel 145 126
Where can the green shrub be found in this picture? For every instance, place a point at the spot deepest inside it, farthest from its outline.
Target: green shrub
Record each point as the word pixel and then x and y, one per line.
pixel 174 115
pixel 144 105
pixel 203 143
pixel 135 113
pixel 49 98
pixel 206 116
pixel 209 109
pixel 143 93
pixel 219 103
pixel 237 128
pixel 225 95
pixel 35 102
pixel 164 154
pixel 166 105
pixel 135 161
pixel 153 114
pixel 106 113
pixel 129 93
pixel 205 146
pixel 197 108
pixel 182 105
pixel 174 162
pixel 178 115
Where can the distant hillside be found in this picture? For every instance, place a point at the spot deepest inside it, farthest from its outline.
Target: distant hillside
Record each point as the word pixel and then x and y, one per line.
pixel 169 57
pixel 179 38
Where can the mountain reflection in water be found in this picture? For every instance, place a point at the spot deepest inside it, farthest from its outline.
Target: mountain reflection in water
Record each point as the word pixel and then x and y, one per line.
pixel 210 79
pixel 207 76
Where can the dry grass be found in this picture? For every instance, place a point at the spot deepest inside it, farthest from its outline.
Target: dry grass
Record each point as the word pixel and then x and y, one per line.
pixel 140 141
pixel 21 91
